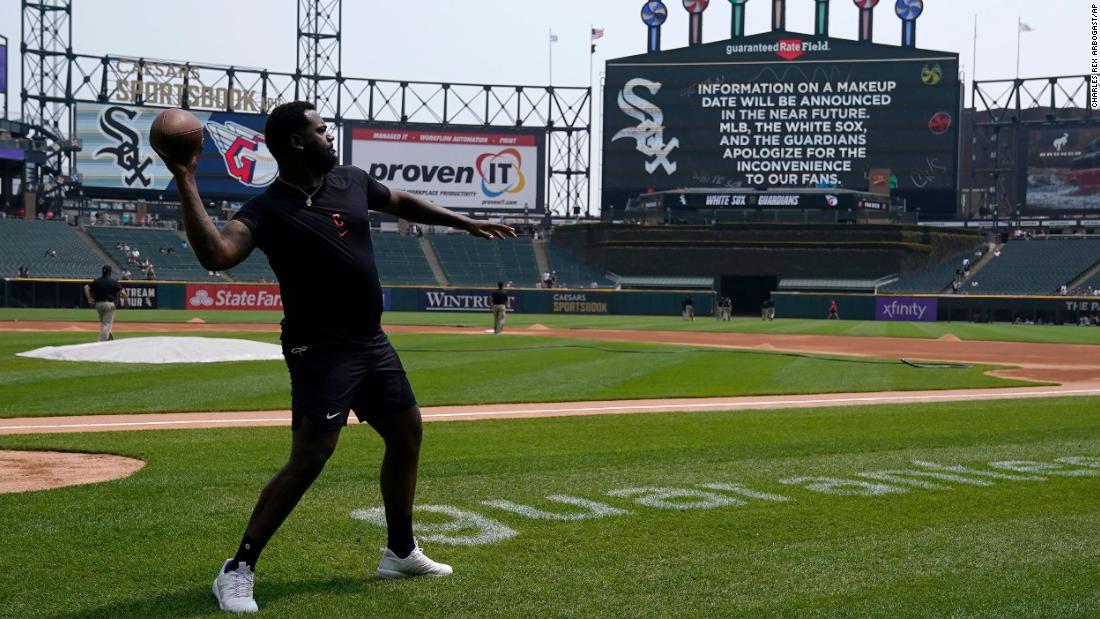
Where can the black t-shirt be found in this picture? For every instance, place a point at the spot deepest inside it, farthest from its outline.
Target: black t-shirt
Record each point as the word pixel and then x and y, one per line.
pixel 105 289
pixel 500 298
pixel 322 254
pixel 686 303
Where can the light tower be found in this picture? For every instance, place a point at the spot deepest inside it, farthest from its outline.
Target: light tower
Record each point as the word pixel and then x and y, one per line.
pixel 319 57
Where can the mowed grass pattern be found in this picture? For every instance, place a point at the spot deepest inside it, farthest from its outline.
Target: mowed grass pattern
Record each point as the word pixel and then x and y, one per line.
pixel 1004 332
pixel 148 546
pixel 454 369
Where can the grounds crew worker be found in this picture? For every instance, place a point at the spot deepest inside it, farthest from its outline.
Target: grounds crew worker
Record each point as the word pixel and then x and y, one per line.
pixel 102 293
pixel 500 308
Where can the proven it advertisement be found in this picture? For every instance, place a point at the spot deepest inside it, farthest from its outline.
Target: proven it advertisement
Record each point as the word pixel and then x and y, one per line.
pixel 464 169
pixel 117 159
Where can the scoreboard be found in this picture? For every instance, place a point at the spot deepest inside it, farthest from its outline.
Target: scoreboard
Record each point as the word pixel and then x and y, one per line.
pixel 781 110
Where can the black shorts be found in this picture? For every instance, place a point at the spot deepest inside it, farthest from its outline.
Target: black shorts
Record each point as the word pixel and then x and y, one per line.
pixel 329 379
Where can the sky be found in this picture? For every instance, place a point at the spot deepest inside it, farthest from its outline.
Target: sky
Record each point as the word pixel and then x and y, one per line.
pixel 507 41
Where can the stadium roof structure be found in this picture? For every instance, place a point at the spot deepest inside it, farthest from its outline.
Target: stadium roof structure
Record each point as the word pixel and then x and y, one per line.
pixel 846 285
pixel 660 281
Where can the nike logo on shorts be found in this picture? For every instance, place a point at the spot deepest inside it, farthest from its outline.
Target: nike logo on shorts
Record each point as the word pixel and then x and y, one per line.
pixel 333 415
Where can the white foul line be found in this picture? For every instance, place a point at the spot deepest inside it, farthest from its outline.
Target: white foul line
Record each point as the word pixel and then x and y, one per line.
pixel 120 424
pixel 640 407
pixel 734 405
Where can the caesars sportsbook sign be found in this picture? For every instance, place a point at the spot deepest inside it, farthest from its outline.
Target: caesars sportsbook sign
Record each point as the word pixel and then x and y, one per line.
pixel 465 170
pixel 117 159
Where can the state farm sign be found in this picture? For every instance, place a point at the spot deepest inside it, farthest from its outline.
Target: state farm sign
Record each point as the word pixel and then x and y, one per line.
pixel 233 297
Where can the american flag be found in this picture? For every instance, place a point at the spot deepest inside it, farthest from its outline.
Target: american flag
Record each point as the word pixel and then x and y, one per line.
pixel 597 34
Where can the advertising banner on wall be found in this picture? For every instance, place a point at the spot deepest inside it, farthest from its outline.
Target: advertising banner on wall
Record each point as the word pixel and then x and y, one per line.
pixel 782 110
pixel 1063 169
pixel 580 303
pixel 233 297
pixel 139 297
pixel 906 309
pixel 463 301
pixel 459 168
pixel 117 159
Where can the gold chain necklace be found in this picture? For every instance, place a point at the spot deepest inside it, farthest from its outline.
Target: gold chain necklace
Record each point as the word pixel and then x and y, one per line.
pixel 309 196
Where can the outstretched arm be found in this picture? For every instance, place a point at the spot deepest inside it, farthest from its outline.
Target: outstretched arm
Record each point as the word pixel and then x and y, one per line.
pixel 416 209
pixel 217 250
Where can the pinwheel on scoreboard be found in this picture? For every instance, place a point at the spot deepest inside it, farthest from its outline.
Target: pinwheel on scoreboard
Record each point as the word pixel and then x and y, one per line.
pixel 866 18
pixel 737 20
pixel 653 15
pixel 821 18
pixel 696 8
pixel 908 11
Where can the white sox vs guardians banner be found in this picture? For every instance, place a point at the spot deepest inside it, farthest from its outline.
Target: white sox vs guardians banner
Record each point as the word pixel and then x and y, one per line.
pixel 466 170
pixel 118 161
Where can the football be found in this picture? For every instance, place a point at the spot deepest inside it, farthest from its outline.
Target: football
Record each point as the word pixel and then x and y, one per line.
pixel 176 135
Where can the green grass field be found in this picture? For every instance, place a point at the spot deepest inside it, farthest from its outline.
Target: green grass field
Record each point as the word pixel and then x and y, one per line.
pixel 857 328
pixel 768 541
pixel 454 369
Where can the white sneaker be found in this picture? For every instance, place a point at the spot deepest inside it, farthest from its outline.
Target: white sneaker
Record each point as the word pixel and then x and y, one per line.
pixel 234 589
pixel 416 564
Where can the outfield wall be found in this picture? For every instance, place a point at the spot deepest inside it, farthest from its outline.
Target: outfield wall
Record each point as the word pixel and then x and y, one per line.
pixel 42 293
pixel 942 308
pixel 839 251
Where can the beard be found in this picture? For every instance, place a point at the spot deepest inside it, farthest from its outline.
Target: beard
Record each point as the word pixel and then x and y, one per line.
pixel 323 162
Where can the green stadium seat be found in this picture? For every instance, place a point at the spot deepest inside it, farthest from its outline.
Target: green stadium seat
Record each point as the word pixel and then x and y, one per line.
pixel 26 242
pixel 470 261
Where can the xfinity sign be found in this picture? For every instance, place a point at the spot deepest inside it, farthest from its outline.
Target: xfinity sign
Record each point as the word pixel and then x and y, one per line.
pixel 906 309
pixel 465 170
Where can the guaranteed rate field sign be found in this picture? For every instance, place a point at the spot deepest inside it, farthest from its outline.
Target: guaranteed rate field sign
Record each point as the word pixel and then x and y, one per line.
pixel 461 169
pixel 781 110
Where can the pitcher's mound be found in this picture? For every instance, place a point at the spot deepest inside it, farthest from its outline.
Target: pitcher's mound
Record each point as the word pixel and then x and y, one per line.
pixel 196 321
pixel 948 337
pixel 538 327
pixel 24 471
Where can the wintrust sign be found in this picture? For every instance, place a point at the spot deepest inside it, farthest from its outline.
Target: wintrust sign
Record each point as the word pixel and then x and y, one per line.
pixel 233 297
pixel 466 171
